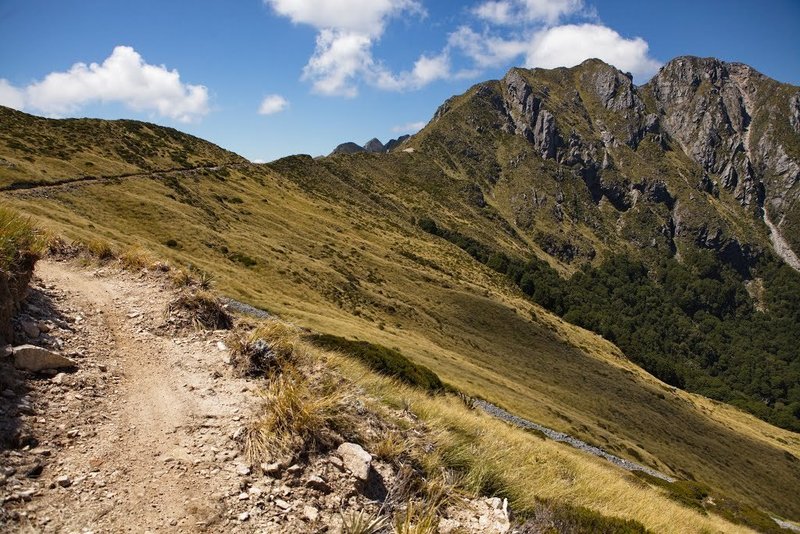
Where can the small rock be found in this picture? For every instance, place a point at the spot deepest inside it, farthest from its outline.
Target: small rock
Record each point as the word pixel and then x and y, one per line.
pixel 296 469
pixel 336 462
pixel 33 358
pixel 273 469
pixel 244 496
pixel 59 378
pixel 7 351
pixel 242 469
pixel 280 503
pixel 318 483
pixel 221 346
pixel 244 516
pixel 44 328
pixel 310 513
pixel 102 368
pixel 30 328
pixel 355 459
pixel 35 470
pixel 64 481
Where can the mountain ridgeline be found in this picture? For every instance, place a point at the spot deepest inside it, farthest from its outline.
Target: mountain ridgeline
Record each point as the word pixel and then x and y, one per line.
pixel 536 226
pixel 664 196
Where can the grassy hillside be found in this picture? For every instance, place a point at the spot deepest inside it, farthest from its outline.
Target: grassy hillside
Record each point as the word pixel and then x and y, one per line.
pixel 336 245
pixel 37 150
pixel 344 256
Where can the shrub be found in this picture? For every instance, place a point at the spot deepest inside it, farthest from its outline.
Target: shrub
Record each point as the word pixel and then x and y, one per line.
pixel 559 517
pixel 383 360
pixel 205 309
pixel 267 349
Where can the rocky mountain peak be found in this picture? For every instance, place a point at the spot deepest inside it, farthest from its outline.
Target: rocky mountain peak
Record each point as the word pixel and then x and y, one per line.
pixel 374 145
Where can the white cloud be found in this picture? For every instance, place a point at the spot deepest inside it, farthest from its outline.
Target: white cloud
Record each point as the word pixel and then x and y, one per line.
pixel 272 104
pixel 485 50
pixel 348 29
pixel 123 77
pixel 411 127
pixel 340 57
pixel 495 12
pixel 569 45
pixel 516 11
pixel 10 96
pixel 426 69
pixel 366 17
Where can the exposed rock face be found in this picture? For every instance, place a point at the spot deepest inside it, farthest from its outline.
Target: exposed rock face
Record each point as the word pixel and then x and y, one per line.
pixel 394 143
pixel 13 287
pixel 794 112
pixel 374 145
pixel 702 132
pixel 347 148
pixel 528 117
pixel 711 108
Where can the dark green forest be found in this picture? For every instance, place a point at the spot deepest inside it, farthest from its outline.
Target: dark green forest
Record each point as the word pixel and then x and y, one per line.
pixel 690 323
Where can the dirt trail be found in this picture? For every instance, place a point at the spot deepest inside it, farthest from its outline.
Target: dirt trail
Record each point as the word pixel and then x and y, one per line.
pixel 144 429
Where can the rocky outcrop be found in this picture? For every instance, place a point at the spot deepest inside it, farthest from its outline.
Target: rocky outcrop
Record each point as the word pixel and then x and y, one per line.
pixel 794 112
pixel 394 143
pixel 347 148
pixel 528 118
pixel 374 145
pixel 13 287
pixel 709 107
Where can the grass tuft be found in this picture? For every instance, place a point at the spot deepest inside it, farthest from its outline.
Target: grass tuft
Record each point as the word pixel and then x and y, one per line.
pixel 297 419
pixel 20 242
pixel 363 523
pixel 205 309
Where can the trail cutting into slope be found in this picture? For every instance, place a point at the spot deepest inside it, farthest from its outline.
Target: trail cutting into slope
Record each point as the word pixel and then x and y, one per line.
pixel 140 437
pixel 66 183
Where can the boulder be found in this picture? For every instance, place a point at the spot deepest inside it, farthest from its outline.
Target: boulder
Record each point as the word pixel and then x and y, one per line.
pixel 33 358
pixel 355 459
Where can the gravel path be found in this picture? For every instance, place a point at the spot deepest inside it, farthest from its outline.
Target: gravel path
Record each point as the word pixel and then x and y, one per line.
pixel 491 409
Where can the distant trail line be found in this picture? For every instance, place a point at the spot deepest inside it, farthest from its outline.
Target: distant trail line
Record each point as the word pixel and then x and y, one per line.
pixel 493 410
pixel 34 186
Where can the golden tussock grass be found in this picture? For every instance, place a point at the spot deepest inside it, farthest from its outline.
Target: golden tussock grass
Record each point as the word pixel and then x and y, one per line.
pixel 331 258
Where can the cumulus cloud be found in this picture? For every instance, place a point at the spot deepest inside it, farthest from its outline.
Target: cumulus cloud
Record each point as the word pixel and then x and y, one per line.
pixel 515 11
pixel 410 128
pixel 426 69
pixel 535 29
pixel 484 49
pixel 123 77
pixel 340 56
pixel 570 44
pixel 10 96
pixel 366 17
pixel 272 104
pixel 348 29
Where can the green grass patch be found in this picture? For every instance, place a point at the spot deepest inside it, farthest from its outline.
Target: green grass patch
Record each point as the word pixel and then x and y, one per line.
pixel 383 360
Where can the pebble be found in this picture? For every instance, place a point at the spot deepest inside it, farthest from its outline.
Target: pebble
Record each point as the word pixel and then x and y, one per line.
pixel 64 481
pixel 244 516
pixel 242 469
pixel 280 503
pixel 310 513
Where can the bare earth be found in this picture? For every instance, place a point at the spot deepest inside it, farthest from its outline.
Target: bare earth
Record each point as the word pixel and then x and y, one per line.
pixel 144 430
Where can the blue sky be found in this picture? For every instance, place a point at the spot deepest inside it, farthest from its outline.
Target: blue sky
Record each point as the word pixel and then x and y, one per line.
pixel 326 71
